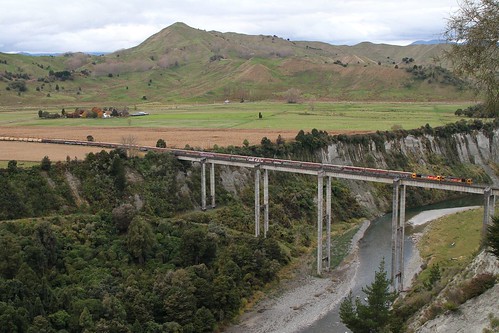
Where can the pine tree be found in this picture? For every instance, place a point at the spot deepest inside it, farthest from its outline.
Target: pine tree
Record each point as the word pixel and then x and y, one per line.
pixel 373 316
pixel 493 236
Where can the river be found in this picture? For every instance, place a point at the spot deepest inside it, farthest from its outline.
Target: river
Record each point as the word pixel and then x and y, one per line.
pixel 376 245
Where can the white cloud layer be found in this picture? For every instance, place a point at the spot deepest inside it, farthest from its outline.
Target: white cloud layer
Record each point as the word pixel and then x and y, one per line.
pixel 109 25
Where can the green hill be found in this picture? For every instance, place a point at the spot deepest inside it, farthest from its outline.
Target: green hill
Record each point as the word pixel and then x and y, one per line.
pixel 181 64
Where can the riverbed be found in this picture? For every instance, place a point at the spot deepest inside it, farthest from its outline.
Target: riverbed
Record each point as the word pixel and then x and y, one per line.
pixel 311 305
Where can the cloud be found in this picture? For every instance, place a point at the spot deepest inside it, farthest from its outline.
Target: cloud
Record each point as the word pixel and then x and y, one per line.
pixel 109 25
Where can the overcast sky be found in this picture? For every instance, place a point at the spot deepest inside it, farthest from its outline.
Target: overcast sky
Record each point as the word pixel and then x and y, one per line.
pixel 110 25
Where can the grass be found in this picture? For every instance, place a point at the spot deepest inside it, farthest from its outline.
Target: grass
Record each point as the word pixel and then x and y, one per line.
pixel 358 116
pixel 341 241
pixel 20 164
pixel 452 241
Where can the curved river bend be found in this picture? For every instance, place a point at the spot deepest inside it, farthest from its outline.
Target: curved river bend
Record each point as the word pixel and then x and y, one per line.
pixel 376 245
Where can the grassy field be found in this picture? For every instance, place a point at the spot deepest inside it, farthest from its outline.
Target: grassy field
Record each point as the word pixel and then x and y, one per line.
pixel 453 241
pixel 324 116
pixel 20 164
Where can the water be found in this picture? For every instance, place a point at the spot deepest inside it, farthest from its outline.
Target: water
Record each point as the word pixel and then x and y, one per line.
pixel 375 246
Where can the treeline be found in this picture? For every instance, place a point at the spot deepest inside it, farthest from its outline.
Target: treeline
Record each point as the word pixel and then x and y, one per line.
pixel 306 144
pixel 112 244
pixel 476 111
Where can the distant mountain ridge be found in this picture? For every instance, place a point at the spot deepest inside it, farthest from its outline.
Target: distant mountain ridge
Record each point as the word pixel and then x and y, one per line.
pixel 184 64
pixel 54 54
pixel 429 42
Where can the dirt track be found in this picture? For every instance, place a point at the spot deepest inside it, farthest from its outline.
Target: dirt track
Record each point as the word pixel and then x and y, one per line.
pixel 176 138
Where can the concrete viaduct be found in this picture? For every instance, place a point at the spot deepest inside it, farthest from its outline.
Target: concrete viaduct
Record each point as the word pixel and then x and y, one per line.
pixel 324 172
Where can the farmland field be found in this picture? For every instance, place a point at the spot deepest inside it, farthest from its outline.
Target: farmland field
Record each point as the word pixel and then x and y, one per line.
pixel 207 125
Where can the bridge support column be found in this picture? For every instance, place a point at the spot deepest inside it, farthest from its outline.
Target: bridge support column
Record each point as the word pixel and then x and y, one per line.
pixel 257 201
pixel 398 235
pixel 328 221
pixel 265 202
pixel 401 237
pixel 212 185
pixel 493 206
pixel 203 185
pixel 320 207
pixel 488 209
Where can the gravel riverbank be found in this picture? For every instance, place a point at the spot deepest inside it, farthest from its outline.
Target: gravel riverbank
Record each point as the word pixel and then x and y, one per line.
pixel 305 300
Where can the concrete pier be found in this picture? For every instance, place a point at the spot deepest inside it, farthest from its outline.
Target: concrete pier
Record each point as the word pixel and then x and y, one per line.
pixel 395 216
pixel 257 201
pixel 401 238
pixel 212 185
pixel 488 209
pixel 320 207
pixel 328 223
pixel 398 235
pixel 265 202
pixel 203 184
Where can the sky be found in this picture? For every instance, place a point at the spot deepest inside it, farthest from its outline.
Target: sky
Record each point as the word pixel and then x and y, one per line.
pixel 110 25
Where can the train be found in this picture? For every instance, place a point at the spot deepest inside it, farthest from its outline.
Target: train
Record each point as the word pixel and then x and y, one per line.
pixel 439 178
pixel 258 160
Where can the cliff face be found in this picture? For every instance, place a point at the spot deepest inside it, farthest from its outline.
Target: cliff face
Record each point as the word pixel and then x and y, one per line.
pixel 474 155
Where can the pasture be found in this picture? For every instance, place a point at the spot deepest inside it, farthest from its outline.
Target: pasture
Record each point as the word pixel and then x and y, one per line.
pixel 331 117
pixel 205 125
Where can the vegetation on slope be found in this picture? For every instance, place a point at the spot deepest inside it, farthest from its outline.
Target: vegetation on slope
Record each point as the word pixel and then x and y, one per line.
pixel 111 244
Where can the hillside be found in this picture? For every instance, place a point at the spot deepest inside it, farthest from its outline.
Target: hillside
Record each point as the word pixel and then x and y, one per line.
pixel 181 64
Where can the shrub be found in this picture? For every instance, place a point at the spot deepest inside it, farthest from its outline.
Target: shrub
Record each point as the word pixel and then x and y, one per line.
pixel 18 85
pixel 46 163
pixel 161 143
pixel 478 285
pixel 123 216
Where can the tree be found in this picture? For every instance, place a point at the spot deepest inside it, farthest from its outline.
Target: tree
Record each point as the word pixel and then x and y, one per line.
pixel 129 142
pixel 204 321
pixel 493 236
pixel 292 95
pixel 123 216
pixel 474 36
pixel 140 238
pixel 86 322
pixel 12 166
pixel 46 163
pixel 119 174
pixel 161 143
pixel 18 85
pixel 375 315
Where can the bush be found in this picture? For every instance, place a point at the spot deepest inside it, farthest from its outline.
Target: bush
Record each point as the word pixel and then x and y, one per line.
pixel 19 86
pixel 478 285
pixel 161 143
pixel 123 216
pixel 46 163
